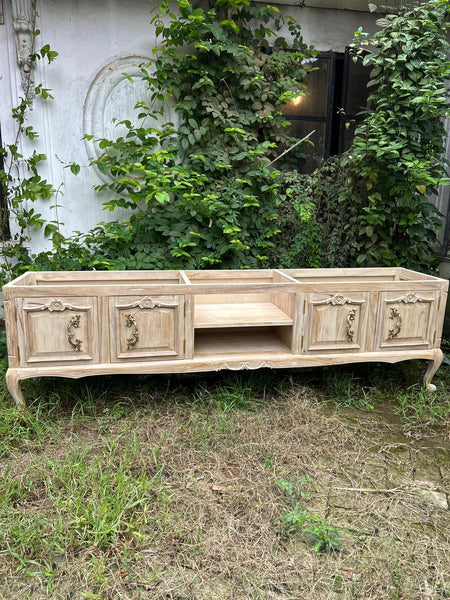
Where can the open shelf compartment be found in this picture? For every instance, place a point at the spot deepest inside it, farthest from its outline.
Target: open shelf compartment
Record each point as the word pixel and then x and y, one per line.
pixel 247 299
pixel 237 341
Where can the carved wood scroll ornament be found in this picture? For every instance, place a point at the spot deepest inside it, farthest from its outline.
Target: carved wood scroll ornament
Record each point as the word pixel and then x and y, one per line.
pixel 350 322
pixel 55 305
pixel 148 302
pixel 409 298
pixel 244 366
pixel 338 300
pixel 395 316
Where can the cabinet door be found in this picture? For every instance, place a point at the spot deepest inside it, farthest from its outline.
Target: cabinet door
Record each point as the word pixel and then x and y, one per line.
pixel 57 329
pixel 406 320
pixel 145 328
pixel 336 322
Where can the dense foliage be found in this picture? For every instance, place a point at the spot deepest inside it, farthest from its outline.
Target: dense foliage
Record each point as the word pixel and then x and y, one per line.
pixel 396 161
pixel 204 193
pixel 207 192
pixel 371 205
pixel 315 226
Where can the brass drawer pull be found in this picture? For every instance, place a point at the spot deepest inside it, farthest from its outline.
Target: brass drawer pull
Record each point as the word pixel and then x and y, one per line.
pixel 134 337
pixel 74 323
pixel 350 322
pixel 394 315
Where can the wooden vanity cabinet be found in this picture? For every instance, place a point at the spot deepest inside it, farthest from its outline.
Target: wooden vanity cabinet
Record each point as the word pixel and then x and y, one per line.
pixel 75 324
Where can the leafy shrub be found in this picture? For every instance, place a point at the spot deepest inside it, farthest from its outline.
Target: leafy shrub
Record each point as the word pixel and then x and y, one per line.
pixel 372 203
pixel 299 243
pixel 396 160
pixel 317 219
pixel 206 193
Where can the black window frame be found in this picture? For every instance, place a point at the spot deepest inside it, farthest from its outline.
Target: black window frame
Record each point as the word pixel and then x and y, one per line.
pixel 337 118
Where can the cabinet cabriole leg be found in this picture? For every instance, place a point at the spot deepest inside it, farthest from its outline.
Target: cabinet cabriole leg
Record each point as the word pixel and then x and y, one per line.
pixel 433 366
pixel 13 383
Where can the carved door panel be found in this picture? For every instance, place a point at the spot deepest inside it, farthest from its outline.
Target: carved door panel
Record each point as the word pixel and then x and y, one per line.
pixel 57 329
pixel 336 322
pixel 145 328
pixel 406 320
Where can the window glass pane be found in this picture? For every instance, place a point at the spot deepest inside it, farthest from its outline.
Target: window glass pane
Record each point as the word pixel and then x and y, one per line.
pixel 315 102
pixel 300 129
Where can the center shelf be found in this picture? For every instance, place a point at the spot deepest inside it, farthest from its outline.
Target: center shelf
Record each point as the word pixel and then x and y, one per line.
pixel 250 314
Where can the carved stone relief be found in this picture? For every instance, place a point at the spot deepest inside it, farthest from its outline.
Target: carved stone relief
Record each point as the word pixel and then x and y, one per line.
pixel 24 20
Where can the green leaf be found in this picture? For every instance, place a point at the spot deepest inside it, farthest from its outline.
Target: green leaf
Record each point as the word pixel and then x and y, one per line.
pixel 162 197
pixel 230 24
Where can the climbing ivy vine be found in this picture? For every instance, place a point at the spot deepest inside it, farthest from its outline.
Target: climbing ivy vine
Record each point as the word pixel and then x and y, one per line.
pixel 208 191
pixel 204 193
pixel 21 182
pixel 397 159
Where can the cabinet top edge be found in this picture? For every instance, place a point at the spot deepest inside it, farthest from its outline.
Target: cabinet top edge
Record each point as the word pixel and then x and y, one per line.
pixel 140 291
pixel 175 278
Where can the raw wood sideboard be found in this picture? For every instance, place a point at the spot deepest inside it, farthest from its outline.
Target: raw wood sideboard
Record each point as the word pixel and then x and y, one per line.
pixel 75 324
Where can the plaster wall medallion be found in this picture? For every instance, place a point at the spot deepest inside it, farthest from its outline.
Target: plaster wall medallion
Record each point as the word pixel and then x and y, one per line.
pixel 112 96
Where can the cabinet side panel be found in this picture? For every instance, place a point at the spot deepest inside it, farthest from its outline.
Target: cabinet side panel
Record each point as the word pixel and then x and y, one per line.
pixel 299 324
pixel 189 327
pixel 285 302
pixel 104 333
pixel 372 321
pixel 440 319
pixel 11 332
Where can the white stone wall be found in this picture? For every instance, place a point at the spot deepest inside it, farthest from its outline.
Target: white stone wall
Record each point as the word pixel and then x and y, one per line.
pixel 97 42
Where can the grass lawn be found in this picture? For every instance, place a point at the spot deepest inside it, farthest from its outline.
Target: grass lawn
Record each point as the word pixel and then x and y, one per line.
pixel 328 483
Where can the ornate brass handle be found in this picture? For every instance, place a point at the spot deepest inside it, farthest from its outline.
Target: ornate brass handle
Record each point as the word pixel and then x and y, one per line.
pixel 76 344
pixel 134 337
pixel 394 315
pixel 350 321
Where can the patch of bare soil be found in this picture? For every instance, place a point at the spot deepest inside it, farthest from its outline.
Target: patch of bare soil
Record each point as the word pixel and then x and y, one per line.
pixel 218 536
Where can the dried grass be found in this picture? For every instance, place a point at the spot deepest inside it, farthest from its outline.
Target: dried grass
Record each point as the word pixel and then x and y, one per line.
pixel 219 536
